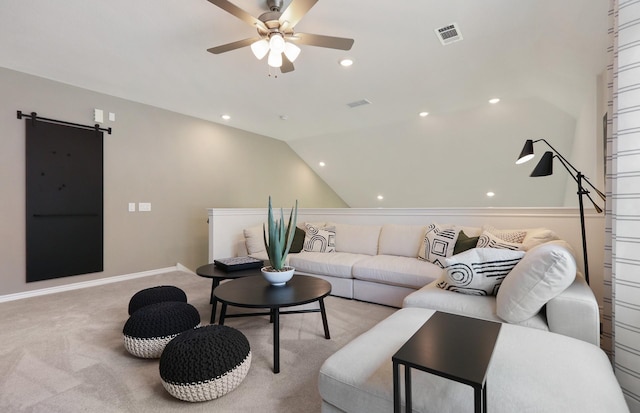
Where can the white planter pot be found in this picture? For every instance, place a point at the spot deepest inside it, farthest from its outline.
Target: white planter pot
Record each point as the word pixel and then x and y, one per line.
pixel 277 278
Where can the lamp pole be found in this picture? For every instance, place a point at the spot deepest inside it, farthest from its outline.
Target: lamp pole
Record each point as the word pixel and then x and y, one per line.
pixel 581 192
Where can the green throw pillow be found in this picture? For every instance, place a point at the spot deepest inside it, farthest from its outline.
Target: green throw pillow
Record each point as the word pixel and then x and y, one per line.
pixel 464 243
pixel 298 241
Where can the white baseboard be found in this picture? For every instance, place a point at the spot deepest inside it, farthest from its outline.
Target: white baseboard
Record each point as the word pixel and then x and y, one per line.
pixel 92 283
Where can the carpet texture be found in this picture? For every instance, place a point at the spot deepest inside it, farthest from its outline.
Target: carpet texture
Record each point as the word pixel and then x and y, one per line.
pixel 64 352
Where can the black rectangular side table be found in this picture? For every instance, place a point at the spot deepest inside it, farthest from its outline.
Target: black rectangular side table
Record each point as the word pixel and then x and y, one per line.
pixel 455 347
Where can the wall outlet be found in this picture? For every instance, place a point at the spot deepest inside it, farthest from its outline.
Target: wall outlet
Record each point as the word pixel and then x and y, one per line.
pixel 132 207
pixel 144 206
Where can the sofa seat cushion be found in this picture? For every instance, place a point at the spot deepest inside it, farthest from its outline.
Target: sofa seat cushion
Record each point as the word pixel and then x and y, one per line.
pixel 530 371
pixel 335 264
pixel 395 270
pixel 484 307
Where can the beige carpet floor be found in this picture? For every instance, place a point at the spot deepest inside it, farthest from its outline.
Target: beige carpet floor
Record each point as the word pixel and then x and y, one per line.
pixel 64 352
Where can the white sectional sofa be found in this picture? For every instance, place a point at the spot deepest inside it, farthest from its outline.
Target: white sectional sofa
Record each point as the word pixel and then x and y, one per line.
pixel 380 264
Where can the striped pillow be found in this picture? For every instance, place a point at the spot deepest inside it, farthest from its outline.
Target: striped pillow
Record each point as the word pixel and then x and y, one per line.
pixel 478 271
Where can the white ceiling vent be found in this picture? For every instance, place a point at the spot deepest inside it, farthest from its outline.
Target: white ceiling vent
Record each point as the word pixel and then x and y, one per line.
pixel 359 103
pixel 449 34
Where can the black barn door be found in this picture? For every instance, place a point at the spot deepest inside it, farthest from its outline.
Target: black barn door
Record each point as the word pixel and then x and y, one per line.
pixel 64 200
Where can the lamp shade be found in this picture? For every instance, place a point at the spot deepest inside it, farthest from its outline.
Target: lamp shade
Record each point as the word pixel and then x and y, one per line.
pixel 527 152
pixel 275 59
pixel 260 48
pixel 545 166
pixel 291 51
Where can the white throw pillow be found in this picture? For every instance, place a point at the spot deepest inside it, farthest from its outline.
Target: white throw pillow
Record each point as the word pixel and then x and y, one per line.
pixel 319 240
pixel 254 240
pixel 478 271
pixel 544 272
pixel 488 240
pixel 438 243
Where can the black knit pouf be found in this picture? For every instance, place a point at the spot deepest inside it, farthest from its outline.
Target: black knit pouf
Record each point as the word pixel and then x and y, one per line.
pixel 149 329
pixel 156 295
pixel 205 363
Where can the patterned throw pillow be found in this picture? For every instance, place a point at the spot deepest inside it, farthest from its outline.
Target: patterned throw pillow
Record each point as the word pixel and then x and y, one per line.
pixel 488 240
pixel 320 239
pixel 515 236
pixel 438 243
pixel 478 271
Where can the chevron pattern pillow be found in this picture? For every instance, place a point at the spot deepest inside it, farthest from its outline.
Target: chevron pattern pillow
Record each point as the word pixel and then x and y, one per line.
pixel 488 240
pixel 478 271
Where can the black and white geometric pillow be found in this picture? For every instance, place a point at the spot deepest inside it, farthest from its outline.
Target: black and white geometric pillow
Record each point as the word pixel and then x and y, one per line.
pixel 319 239
pixel 478 271
pixel 488 240
pixel 438 243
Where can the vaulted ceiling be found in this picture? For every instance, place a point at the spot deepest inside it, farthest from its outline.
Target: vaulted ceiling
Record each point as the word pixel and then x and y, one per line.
pixel 155 53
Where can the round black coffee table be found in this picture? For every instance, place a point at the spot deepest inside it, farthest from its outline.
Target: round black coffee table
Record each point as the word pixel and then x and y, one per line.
pixel 256 292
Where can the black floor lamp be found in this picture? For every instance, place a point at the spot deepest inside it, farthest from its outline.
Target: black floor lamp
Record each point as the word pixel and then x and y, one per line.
pixel 545 168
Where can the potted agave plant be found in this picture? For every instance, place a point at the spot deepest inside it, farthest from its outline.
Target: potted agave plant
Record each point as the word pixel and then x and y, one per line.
pixel 277 240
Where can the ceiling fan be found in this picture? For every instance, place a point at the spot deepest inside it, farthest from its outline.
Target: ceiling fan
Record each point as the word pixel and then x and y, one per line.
pixel 276 35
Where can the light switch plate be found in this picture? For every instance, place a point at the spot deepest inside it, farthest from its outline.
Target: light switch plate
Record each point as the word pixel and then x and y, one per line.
pixel 144 206
pixel 98 115
pixel 132 207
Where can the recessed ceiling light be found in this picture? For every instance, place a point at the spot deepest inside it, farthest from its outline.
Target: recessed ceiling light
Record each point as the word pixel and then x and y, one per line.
pixel 346 62
pixel 490 194
pixel 380 197
pixel 225 117
pixel 322 163
pixel 494 101
pixel 424 114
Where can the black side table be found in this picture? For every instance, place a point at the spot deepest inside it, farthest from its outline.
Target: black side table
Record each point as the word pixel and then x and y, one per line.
pixel 451 346
pixel 216 274
pixel 256 292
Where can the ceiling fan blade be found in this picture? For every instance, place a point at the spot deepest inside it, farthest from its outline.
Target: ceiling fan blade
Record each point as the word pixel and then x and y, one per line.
pixel 296 11
pixel 233 46
pixel 287 65
pixel 319 40
pixel 239 13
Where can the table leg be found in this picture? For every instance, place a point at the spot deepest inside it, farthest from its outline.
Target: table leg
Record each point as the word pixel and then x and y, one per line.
pixel 324 320
pixel 396 388
pixel 223 313
pixel 480 401
pixel 276 340
pixel 407 389
pixel 213 300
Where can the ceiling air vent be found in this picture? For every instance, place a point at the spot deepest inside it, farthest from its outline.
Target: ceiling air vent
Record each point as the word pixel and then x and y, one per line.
pixel 359 103
pixel 449 34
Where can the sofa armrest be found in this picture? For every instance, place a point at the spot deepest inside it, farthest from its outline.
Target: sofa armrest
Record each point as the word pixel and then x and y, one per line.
pixel 575 312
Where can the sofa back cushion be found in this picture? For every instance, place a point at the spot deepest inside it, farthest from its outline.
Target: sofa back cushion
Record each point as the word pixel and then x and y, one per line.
pixel 357 239
pixel 401 240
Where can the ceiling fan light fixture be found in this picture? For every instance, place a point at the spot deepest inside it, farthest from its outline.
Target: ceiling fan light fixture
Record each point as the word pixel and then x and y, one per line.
pixel 277 43
pixel 291 51
pixel 260 48
pixel 275 59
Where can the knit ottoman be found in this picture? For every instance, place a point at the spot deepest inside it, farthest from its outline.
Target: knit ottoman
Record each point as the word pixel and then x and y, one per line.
pixel 150 328
pixel 156 295
pixel 205 363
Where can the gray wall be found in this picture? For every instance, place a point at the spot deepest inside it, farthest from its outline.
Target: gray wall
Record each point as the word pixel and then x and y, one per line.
pixel 181 165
